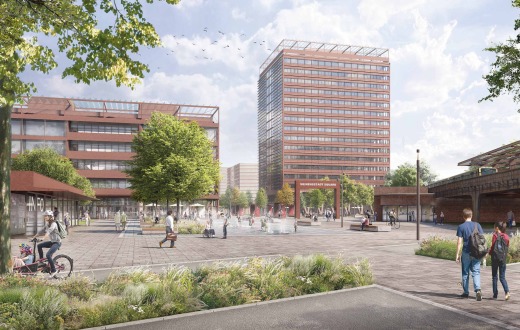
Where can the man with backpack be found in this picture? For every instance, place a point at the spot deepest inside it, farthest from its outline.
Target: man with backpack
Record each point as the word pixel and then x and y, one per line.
pixel 470 238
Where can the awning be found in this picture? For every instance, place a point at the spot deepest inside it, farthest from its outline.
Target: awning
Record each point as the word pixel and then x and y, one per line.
pixel 507 157
pixel 32 182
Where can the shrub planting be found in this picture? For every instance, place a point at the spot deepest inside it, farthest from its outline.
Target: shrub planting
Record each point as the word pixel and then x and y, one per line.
pixel 137 293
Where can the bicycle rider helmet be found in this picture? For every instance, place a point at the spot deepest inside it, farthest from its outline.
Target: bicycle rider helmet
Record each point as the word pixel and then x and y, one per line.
pixel 25 249
pixel 49 213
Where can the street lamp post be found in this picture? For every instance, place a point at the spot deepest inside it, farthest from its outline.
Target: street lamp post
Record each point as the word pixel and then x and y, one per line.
pixel 341 203
pixel 418 197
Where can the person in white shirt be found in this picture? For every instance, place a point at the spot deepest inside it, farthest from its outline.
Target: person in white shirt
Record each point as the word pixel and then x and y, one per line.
pixel 51 231
pixel 169 229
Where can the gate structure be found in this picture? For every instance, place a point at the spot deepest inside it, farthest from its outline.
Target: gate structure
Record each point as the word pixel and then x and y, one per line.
pixel 304 185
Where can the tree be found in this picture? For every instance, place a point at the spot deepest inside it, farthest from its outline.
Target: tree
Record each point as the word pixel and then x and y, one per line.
pixel 316 198
pixel 406 175
pixel 48 162
pixel 285 196
pixel 173 160
pixel 95 53
pixel 249 197
pixel 504 77
pixel 225 199
pixel 261 199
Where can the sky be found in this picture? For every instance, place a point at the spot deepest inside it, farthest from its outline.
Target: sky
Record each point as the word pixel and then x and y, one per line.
pixel 212 51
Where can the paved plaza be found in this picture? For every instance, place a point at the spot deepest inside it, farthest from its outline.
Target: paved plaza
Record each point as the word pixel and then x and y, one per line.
pixel 98 248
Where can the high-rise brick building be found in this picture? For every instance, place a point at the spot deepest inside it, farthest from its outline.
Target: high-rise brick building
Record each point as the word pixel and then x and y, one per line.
pixel 323 110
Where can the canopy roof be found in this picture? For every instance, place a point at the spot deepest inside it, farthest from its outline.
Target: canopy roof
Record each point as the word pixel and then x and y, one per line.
pixel 27 181
pixel 506 157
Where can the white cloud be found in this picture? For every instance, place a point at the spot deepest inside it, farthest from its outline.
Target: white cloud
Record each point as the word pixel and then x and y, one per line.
pixel 490 37
pixel 56 86
pixel 238 14
pixel 185 4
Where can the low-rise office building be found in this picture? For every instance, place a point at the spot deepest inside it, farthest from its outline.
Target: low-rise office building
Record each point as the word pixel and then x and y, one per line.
pixel 97 136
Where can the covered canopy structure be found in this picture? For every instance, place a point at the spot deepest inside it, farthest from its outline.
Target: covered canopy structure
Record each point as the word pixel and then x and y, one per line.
pixel 33 193
pixel 504 157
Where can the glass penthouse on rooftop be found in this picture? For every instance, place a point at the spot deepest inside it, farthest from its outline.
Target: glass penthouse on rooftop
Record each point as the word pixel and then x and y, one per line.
pixel 323 110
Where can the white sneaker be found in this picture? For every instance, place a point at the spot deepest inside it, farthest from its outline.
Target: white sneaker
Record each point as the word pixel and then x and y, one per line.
pixel 53 274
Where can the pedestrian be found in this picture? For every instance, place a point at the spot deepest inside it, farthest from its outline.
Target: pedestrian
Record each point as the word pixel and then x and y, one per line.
pixel 468 262
pixel 224 228
pixel 510 218
pixel 442 218
pixel 295 225
pixel 169 229
pixel 365 222
pixel 375 216
pixel 56 214
pixel 498 252
pixel 124 219
pixel 87 218
pixel 117 220
pixel 66 220
pixel 434 218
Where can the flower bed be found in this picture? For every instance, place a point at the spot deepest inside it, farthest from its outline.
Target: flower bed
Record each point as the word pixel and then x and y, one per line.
pixel 136 294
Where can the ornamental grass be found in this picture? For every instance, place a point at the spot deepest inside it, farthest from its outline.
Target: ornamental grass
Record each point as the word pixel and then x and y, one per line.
pixel 444 248
pixel 137 293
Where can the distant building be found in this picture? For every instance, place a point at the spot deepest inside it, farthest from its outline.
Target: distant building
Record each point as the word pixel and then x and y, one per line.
pixel 224 183
pixel 244 176
pixel 323 110
pixel 97 136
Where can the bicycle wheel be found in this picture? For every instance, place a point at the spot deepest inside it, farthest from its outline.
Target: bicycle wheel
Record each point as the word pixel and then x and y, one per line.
pixel 397 224
pixel 64 265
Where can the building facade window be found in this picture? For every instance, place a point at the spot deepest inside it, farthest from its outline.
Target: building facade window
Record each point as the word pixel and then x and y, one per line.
pixel 110 183
pixel 100 165
pixel 59 146
pixel 100 146
pixel 102 128
pixel 44 128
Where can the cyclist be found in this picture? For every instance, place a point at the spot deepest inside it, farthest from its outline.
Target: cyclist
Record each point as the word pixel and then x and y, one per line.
pixel 51 231
pixel 392 217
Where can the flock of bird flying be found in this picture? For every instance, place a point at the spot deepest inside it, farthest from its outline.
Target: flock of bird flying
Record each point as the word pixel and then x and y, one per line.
pixel 204 52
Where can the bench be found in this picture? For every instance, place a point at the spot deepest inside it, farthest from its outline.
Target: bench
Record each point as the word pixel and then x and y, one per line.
pixel 381 227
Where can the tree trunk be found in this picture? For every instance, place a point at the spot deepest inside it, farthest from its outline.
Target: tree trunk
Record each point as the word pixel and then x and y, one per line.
pixel 178 209
pixel 5 187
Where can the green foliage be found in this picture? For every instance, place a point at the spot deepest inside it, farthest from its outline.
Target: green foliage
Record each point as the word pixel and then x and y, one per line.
pixel 261 198
pixel 48 162
pixel 226 198
pixel 190 227
pixel 503 77
pixel 442 248
pixel 173 161
pixel 438 247
pixel 285 196
pixel 249 197
pixel 94 51
pixel 78 287
pixel 43 306
pixel 136 294
pixel 406 175
pixel 316 198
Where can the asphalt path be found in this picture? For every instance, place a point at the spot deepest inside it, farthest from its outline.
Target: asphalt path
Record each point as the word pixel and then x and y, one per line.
pixel 372 307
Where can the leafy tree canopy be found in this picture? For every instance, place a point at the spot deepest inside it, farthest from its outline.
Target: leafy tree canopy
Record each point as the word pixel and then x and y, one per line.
pixel 48 162
pixel 316 198
pixel 173 161
pixel 261 198
pixel 95 52
pixel 504 75
pixel 406 175
pixel 285 196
